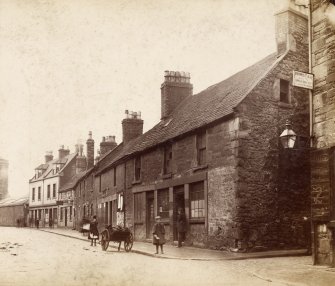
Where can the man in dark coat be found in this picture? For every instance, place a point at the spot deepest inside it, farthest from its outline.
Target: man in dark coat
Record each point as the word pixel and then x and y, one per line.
pixel 181 226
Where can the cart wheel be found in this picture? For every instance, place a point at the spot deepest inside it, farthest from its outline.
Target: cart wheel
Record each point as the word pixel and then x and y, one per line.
pixel 128 243
pixel 104 239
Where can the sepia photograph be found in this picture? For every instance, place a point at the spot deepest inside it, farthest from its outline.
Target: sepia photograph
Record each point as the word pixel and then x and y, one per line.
pixel 151 142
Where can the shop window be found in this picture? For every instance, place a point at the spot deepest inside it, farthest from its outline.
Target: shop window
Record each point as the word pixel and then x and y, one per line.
pixel 284 91
pixel 167 158
pixel 137 164
pixel 33 194
pixel 197 200
pixel 201 149
pixel 139 208
pixel 163 203
pixel 61 214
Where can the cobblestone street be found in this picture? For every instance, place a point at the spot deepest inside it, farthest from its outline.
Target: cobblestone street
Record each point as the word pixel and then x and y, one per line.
pixel 32 257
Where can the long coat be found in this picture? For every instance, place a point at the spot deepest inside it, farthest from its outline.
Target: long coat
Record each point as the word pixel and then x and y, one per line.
pixel 181 222
pixel 158 230
pixel 94 233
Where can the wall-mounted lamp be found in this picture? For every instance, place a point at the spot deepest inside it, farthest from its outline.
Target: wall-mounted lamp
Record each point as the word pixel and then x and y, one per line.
pixel 288 136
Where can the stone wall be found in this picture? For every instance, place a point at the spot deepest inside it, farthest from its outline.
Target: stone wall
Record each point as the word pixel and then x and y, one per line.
pixel 323 62
pixel 322 186
pixel 272 199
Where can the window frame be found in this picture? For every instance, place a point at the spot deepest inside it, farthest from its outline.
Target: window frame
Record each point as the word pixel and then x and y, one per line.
pixel 168 157
pixel 197 195
pixel 284 89
pixel 54 193
pixel 201 146
pixel 137 168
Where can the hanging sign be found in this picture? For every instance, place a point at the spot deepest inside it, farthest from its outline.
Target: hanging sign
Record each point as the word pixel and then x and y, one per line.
pixel 302 79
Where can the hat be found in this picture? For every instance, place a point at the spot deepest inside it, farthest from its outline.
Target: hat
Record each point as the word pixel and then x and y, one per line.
pixel 157 217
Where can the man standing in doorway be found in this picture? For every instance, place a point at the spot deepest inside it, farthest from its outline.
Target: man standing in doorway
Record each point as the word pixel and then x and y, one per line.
pixel 181 226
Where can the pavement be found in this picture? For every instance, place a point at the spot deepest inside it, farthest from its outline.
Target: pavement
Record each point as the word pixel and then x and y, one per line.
pixel 185 252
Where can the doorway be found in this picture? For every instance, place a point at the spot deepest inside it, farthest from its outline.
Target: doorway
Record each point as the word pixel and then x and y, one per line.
pixel 150 214
pixel 178 202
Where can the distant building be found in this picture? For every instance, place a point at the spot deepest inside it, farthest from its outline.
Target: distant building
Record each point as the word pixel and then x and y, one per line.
pixel 3 178
pixel 14 212
pixel 45 202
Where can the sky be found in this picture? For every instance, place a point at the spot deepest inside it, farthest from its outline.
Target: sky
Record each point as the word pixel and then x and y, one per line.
pixel 70 67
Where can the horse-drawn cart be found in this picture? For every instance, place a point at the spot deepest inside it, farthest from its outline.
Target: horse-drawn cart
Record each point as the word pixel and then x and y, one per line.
pixel 117 234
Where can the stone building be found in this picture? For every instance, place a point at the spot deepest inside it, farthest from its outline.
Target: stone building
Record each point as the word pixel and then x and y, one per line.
pixel 323 151
pixel 3 178
pixel 217 155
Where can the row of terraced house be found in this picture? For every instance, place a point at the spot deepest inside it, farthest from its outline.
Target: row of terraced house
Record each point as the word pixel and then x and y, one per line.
pixel 216 154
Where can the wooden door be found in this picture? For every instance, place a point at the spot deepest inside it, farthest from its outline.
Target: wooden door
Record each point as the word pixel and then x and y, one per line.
pixel 150 214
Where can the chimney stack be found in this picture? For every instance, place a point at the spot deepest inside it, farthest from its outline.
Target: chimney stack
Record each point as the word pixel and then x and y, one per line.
pixel 81 159
pixel 175 88
pixel 108 143
pixel 90 150
pixel 62 152
pixel 292 29
pixel 48 156
pixel 132 126
pixel 97 158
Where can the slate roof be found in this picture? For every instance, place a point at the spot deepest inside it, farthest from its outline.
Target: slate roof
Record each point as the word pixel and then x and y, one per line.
pixel 211 104
pixel 14 202
pixel 71 184
pixel 49 166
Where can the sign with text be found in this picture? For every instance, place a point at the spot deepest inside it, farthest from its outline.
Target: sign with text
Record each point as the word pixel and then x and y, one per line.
pixel 302 79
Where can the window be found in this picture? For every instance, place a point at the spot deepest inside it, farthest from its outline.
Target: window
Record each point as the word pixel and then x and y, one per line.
pixel 33 194
pixel 201 149
pixel 284 91
pixel 114 176
pixel 54 191
pixel 39 193
pixel 163 203
pixel 139 207
pixel 137 168
pixel 197 200
pixel 167 159
pixel 48 193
